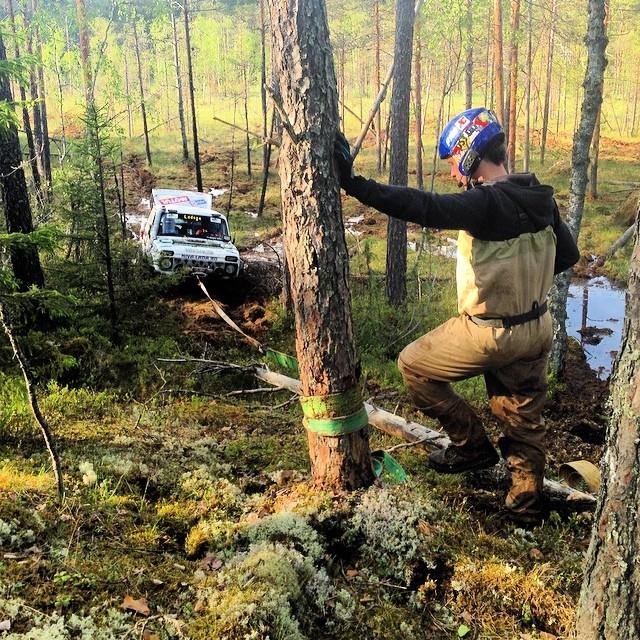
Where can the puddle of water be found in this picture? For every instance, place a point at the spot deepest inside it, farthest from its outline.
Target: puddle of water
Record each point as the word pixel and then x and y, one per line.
pixel 599 305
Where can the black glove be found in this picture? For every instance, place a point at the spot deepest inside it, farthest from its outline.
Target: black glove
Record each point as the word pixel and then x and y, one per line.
pixel 344 162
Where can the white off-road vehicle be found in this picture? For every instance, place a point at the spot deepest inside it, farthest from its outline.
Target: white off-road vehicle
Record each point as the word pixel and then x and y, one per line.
pixel 183 232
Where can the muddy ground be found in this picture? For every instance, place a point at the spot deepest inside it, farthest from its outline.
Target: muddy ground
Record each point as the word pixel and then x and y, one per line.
pixel 575 417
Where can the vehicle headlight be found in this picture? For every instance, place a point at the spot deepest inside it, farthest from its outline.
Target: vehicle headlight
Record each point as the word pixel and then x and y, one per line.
pixel 166 253
pixel 230 268
pixel 165 263
pixel 231 258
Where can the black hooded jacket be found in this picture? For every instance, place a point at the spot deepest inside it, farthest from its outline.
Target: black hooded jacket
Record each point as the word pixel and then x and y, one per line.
pixel 494 211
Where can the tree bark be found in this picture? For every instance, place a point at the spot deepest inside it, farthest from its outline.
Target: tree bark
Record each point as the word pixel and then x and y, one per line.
pixel 176 61
pixel 246 118
pixel 635 108
pixel 266 149
pixel 498 76
pixel 63 136
pixel 17 209
pixel 395 283
pixel 488 67
pixel 527 97
pixel 265 169
pixel 35 97
pixel 26 122
pixel 595 145
pixel 513 84
pixel 143 106
pixel 377 84
pixel 468 65
pixel 609 605
pixel 596 42
pixel 418 109
pixel 83 32
pixel 547 91
pixel 127 91
pixel 315 245
pixel 44 122
pixel 194 121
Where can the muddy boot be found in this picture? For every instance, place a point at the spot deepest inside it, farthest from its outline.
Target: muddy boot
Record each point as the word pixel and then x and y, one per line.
pixel 524 502
pixel 469 457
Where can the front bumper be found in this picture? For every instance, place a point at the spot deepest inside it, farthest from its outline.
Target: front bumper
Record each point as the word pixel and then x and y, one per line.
pixel 218 269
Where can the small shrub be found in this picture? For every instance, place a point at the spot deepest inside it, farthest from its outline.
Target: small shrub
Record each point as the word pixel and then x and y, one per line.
pixel 387 522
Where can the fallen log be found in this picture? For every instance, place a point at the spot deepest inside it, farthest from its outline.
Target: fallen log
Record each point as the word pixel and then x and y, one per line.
pixel 616 246
pixel 560 496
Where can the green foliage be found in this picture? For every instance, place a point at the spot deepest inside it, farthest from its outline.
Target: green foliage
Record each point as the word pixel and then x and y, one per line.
pixel 45 238
pixel 13 400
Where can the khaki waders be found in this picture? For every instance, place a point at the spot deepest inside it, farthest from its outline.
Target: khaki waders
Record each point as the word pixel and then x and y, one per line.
pixel 514 364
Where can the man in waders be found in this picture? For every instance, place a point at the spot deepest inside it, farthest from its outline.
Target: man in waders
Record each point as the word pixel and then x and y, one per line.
pixel 511 243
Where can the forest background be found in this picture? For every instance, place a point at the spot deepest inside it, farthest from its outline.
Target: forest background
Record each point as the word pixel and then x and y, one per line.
pixel 188 510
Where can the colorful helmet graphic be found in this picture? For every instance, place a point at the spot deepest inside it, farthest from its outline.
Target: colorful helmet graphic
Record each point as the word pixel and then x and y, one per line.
pixel 467 136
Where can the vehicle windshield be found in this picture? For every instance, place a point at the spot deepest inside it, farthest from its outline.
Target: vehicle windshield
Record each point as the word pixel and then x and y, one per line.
pixel 190 225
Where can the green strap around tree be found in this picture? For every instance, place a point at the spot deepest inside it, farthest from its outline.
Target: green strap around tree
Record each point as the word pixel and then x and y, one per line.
pixel 336 414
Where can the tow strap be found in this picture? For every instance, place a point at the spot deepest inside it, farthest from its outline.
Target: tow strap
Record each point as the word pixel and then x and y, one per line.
pixel 276 357
pixel 332 415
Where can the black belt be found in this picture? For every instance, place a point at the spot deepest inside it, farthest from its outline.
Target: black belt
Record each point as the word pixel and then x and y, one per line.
pixel 537 310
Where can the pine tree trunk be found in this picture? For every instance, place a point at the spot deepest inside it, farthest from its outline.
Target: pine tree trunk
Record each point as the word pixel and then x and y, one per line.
pixel 17 209
pixel 83 32
pixel 265 169
pixel 63 127
pixel 609 605
pixel 176 61
pixel 513 84
pixel 192 97
pixel 127 93
pixel 527 97
pixel 266 148
pixel 246 118
pixel 315 245
pixel 547 91
pixel 593 182
pixel 44 122
pixel 378 84
pixel 35 97
pixel 498 76
pixel 143 106
pixel 635 108
pixel 488 69
pixel 26 122
pixel 396 278
pixel 418 109
pixel 596 41
pixel 468 65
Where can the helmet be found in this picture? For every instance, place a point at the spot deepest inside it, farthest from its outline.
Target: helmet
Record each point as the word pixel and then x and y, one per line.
pixel 467 137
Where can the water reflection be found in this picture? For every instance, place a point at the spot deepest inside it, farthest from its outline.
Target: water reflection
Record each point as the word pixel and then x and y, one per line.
pixel 595 310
